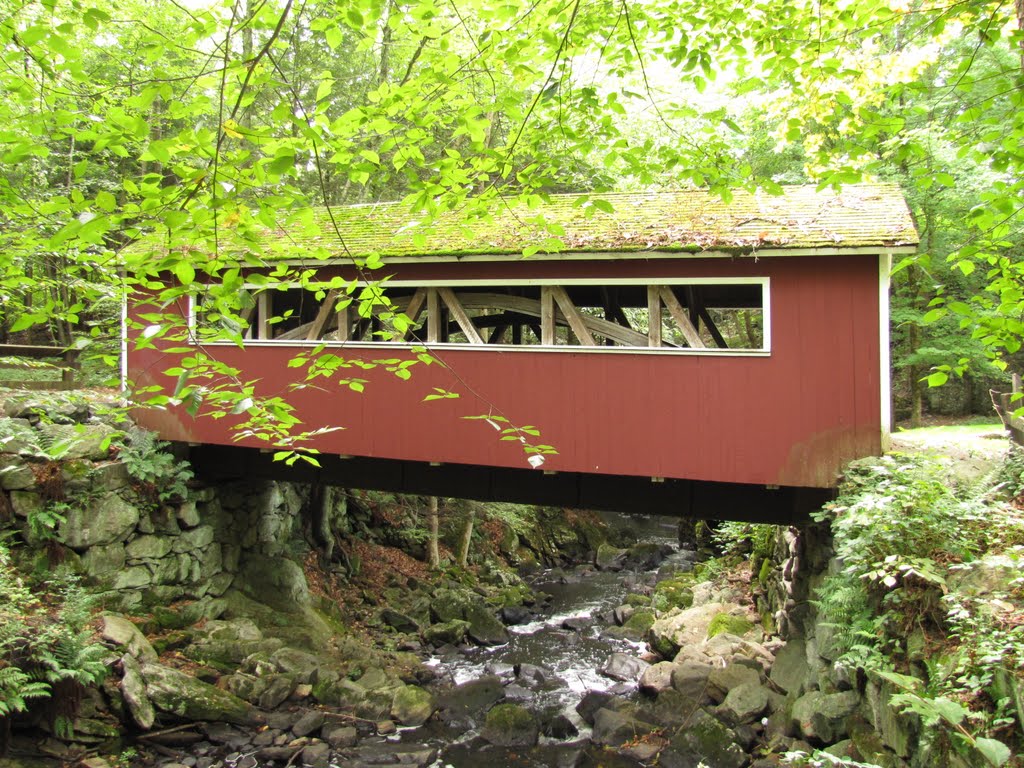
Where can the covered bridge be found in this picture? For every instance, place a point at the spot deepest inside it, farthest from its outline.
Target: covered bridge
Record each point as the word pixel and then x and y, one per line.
pixel 664 352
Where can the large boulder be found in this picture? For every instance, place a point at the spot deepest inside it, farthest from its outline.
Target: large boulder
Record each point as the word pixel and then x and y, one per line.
pixel 399 621
pixel 703 741
pixel 610 558
pixel 614 727
pixel 278 582
pixel 82 441
pixel 104 561
pixel 484 626
pixel 723 679
pixel 511 725
pixel 124 634
pixel 463 704
pixel 657 678
pixel 744 704
pixel 305 667
pixel 790 671
pixel 684 629
pixel 133 691
pixel 690 680
pixel 645 556
pixel 623 667
pixel 412 706
pixel 446 633
pixel 823 718
pixel 449 605
pixel 172 691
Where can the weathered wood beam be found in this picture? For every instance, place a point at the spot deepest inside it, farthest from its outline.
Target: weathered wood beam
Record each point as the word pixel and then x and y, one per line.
pixel 547 316
pixel 572 316
pixel 416 304
pixel 345 323
pixel 433 316
pixel 682 320
pixel 459 313
pixel 693 303
pixel 413 311
pixel 316 328
pixel 263 328
pixel 533 308
pixel 712 328
pixel 498 333
pixel 653 316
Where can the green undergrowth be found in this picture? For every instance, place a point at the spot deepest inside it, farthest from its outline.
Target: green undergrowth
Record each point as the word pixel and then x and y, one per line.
pixel 46 657
pixel 929 598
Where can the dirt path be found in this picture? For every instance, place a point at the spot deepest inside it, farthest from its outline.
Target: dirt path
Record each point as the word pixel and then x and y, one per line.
pixel 972 450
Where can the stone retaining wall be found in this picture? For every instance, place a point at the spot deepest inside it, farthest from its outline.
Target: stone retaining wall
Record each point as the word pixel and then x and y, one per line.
pixel 807 665
pixel 137 551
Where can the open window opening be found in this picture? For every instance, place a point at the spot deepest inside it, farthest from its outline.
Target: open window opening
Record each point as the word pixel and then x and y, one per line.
pixel 695 315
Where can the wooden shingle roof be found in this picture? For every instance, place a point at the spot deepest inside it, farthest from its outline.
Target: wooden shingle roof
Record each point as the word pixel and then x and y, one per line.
pixel 863 217
pixel 690 221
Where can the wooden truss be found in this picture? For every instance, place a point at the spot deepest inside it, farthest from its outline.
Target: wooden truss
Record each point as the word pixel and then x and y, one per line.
pixel 674 318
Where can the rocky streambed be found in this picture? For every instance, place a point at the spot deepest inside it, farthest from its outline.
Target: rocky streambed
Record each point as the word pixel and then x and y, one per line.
pixel 570 678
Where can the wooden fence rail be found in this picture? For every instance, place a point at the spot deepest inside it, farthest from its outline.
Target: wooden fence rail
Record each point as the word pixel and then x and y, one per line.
pixel 68 365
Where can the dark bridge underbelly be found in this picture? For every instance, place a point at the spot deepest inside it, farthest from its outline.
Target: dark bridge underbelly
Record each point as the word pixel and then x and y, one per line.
pixel 785 505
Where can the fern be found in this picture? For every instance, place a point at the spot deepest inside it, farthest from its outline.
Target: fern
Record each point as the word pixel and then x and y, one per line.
pixel 16 688
pixel 159 473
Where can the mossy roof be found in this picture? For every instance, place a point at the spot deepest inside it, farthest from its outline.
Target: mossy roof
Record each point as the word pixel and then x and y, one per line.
pixel 863 216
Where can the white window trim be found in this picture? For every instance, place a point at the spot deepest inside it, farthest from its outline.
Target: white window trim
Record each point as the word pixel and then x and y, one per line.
pixel 764 282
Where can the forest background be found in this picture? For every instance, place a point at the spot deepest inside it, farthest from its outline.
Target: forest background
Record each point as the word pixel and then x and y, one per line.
pixel 204 124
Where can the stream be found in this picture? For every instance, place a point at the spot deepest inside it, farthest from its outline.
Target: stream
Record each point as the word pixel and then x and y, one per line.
pixel 550 663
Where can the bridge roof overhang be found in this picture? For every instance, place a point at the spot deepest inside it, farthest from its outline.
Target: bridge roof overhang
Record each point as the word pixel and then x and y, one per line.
pixel 801 221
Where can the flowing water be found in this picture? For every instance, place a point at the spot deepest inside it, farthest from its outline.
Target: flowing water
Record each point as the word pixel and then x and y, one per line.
pixel 568 660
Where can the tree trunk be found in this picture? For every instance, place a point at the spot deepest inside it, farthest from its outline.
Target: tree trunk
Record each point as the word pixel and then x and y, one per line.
pixel 914 373
pixel 467 536
pixel 433 555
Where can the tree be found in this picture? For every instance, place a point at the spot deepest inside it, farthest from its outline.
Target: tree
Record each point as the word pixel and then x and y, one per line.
pixel 197 128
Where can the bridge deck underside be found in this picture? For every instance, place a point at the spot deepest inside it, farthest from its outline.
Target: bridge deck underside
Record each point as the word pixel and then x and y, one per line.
pixel 785 505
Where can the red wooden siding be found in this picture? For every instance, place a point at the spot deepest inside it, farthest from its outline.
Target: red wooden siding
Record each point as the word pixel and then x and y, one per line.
pixel 790 418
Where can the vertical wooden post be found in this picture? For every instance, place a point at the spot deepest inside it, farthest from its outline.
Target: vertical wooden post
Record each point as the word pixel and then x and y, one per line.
pixel 547 315
pixel 433 316
pixel 345 323
pixel 67 372
pixel 263 316
pixel 654 315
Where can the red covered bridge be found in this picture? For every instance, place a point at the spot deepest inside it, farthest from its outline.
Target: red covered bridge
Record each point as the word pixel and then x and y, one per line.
pixel 674 352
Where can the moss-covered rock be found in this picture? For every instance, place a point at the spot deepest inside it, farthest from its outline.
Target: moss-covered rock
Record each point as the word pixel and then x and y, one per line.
pixel 412 705
pixel 448 632
pixel 511 725
pixel 609 558
pixel 177 693
pixel 637 600
pixel 727 623
pixel 640 621
pixel 484 626
pixel 449 604
pixel 704 740
pixel 672 593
